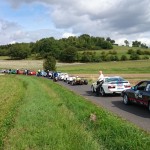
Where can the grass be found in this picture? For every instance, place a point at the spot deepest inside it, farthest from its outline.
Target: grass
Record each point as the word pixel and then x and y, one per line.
pixel 121 50
pixel 120 67
pixel 11 91
pixel 51 117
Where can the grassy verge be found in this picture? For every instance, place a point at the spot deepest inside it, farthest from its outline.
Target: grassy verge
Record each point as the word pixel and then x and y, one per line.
pixel 51 117
pixel 11 93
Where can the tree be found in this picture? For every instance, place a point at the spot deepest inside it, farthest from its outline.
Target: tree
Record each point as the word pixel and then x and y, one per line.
pixel 136 44
pixel 68 55
pixel 49 63
pixel 126 42
pixel 19 51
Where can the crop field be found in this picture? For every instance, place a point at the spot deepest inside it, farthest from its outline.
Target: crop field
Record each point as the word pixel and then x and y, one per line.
pixel 40 114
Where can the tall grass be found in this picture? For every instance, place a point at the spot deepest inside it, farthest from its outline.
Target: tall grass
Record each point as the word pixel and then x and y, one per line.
pixel 51 117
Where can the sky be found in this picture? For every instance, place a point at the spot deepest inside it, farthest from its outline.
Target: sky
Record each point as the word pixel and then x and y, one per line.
pixel 32 20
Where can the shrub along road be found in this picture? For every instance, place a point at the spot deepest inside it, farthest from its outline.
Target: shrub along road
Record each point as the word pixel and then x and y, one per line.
pixel 138 115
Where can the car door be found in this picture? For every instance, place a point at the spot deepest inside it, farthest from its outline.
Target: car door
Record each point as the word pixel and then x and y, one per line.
pixel 140 92
pixel 144 95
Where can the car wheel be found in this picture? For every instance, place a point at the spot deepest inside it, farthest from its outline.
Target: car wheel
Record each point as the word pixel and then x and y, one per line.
pixel 102 92
pixel 85 82
pixel 93 91
pixel 125 100
pixel 72 83
pixel 149 106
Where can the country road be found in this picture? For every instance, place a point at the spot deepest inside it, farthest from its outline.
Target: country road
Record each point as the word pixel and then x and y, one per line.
pixel 138 115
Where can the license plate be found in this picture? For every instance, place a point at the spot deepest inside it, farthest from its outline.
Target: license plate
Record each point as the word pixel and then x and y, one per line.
pixel 120 86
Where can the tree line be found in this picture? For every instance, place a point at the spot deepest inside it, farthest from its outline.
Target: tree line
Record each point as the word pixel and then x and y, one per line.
pixel 65 49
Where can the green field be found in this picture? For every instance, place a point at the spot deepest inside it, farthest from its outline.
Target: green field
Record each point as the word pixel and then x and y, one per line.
pixel 121 50
pixel 40 114
pixel 117 67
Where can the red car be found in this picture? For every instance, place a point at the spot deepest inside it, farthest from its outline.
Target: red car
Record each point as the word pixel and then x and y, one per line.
pixel 31 72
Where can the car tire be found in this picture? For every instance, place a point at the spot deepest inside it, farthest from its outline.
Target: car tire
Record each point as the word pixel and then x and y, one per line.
pixel 102 92
pixel 93 91
pixel 126 100
pixel 86 82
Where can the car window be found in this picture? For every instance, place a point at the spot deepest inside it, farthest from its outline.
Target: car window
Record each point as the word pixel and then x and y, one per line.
pixel 141 86
pixel 148 88
pixel 114 79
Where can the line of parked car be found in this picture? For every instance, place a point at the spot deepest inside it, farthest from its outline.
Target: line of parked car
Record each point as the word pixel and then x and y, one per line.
pixel 56 76
pixel 140 93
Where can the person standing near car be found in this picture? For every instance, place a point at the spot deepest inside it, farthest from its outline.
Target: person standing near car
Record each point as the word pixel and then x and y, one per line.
pixel 101 76
pixel 99 82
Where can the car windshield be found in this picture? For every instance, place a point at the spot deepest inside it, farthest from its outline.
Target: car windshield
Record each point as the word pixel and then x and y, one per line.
pixel 115 79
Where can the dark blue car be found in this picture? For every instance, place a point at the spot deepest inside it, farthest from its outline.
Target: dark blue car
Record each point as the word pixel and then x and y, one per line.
pixel 139 94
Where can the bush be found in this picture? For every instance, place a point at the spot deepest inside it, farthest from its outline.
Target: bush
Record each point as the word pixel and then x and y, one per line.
pixel 145 57
pixel 90 57
pixel 139 52
pixel 146 52
pixel 112 52
pixel 114 58
pixel 123 58
pixel 130 51
pixel 49 63
pixel 134 56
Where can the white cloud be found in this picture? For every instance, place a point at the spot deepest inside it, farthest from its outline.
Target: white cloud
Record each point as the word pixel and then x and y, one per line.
pixel 66 35
pixel 118 19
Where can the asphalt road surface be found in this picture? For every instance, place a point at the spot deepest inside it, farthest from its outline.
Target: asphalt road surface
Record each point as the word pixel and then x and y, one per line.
pixel 138 115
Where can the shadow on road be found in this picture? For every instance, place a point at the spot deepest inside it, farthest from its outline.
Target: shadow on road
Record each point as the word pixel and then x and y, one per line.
pixel 135 109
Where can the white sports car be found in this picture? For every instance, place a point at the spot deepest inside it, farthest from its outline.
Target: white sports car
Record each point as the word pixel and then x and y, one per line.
pixel 62 76
pixel 111 85
pixel 69 79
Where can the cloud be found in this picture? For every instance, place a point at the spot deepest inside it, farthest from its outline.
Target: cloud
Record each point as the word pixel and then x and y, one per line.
pixel 118 19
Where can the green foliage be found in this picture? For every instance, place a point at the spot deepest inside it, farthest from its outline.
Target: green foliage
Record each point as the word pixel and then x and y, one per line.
pixel 49 63
pixel 113 52
pixel 136 43
pixel 139 44
pixel 19 51
pixel 4 52
pixel 47 45
pixel 126 42
pixel 130 51
pixel 68 55
pixel 146 52
pixel 145 57
pixel 124 57
pixel 134 56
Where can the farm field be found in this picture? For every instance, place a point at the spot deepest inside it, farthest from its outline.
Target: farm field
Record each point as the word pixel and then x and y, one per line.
pixel 44 115
pixel 119 67
pixel 131 70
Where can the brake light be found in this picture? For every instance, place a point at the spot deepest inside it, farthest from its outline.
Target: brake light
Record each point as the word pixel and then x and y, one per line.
pixel 127 86
pixel 111 86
